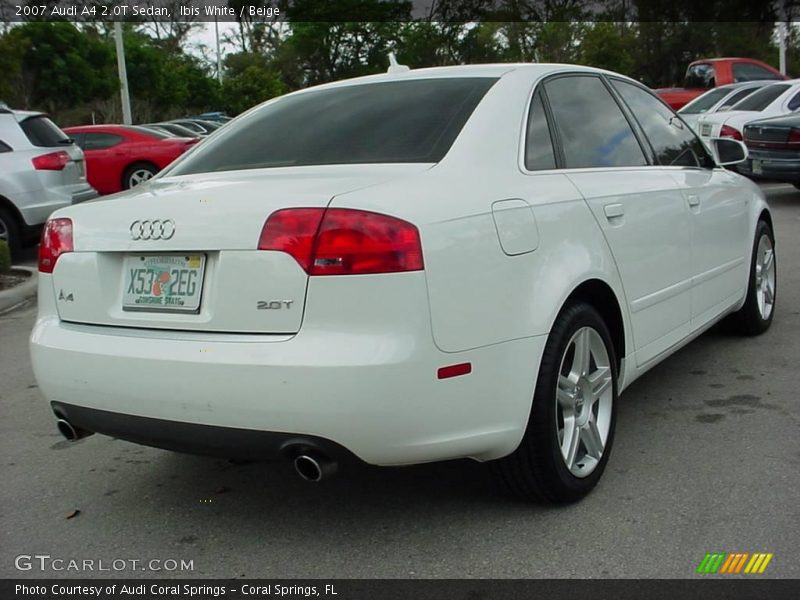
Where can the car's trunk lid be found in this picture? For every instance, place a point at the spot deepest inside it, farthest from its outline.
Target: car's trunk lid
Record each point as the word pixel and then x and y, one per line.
pixel 203 232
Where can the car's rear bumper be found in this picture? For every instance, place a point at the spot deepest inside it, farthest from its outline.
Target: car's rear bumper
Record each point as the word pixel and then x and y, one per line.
pixel 227 442
pixel 372 390
pixel 771 165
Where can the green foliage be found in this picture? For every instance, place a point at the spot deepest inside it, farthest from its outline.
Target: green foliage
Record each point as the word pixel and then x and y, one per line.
pixel 251 86
pixel 70 70
pixel 5 257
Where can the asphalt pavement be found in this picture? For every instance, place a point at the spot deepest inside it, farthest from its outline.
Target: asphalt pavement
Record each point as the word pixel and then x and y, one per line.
pixel 706 459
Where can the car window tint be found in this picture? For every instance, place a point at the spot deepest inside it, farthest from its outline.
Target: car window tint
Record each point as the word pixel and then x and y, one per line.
pixel 591 126
pixel 700 76
pixel 674 143
pixel 408 121
pixel 42 132
pixel 704 102
pixel 750 72
pixel 4 147
pixel 740 95
pixel 100 141
pixel 539 153
pixel 758 101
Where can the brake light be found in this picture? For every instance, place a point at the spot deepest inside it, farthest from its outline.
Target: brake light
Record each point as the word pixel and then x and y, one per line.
pixel 728 131
pixel 342 241
pixel 56 240
pixel 794 136
pixel 55 161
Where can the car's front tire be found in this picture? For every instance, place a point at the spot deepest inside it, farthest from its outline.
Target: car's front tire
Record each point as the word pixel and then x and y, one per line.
pixel 571 426
pixel 756 315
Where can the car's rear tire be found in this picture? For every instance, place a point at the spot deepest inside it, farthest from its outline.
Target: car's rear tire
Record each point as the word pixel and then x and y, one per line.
pixel 756 315
pixel 571 425
pixel 138 173
pixel 10 231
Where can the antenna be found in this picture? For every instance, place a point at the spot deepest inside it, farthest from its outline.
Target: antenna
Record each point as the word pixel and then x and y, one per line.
pixel 394 66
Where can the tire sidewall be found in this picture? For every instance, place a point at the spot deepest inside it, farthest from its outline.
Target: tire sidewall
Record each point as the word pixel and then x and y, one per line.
pixel 543 415
pixel 126 179
pixel 751 304
pixel 12 230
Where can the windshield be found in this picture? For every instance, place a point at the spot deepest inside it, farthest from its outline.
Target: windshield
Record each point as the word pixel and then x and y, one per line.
pixel 759 100
pixel 704 102
pixel 412 121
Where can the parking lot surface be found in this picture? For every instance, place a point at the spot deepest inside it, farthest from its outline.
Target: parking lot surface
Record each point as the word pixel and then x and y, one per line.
pixel 706 459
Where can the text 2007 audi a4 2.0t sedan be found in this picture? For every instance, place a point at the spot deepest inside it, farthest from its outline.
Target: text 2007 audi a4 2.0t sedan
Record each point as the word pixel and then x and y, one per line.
pixel 410 267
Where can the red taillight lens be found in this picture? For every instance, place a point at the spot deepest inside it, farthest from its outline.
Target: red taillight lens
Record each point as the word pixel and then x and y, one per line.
pixel 55 161
pixel 342 241
pixel 728 131
pixel 794 136
pixel 56 240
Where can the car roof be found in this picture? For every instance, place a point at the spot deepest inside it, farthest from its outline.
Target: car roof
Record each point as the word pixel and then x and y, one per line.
pixel 22 115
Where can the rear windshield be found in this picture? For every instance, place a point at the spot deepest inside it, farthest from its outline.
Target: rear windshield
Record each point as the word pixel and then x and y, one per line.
pixel 758 101
pixel 42 132
pixel 151 132
pixel 704 102
pixel 390 122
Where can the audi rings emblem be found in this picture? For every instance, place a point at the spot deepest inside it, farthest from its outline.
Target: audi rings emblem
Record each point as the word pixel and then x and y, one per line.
pixel 157 229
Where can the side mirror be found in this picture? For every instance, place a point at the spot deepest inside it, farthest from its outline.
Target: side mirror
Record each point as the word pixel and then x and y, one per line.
pixel 729 151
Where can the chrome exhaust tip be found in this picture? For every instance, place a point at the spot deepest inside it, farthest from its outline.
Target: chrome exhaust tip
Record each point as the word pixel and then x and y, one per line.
pixel 314 467
pixel 71 433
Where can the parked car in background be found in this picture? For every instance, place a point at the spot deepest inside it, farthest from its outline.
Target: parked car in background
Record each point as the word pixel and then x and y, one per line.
pixel 122 156
pixel 774 149
pixel 174 129
pixel 707 73
pixel 426 280
pixel 718 99
pixel 41 170
pixel 202 128
pixel 771 100
pixel 216 116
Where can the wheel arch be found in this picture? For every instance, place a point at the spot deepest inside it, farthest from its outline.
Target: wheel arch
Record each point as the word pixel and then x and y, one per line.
pixel 12 208
pixel 599 294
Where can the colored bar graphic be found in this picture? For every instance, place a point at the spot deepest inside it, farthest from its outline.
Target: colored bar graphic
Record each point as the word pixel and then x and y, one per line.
pixel 733 562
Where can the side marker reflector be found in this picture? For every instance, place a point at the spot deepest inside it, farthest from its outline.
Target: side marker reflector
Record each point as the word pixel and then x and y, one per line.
pixel 454 370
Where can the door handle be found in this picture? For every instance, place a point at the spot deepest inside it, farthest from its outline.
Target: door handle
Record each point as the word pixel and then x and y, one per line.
pixel 614 211
pixel 694 201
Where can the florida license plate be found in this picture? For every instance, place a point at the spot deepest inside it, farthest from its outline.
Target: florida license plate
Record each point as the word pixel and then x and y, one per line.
pixel 163 283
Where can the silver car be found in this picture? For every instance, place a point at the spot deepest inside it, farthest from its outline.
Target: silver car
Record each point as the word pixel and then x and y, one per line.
pixel 717 99
pixel 41 170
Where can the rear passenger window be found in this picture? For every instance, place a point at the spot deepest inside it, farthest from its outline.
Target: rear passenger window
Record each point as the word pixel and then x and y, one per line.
pixel 539 153
pixel 99 141
pixel 591 126
pixel 794 103
pixel 672 140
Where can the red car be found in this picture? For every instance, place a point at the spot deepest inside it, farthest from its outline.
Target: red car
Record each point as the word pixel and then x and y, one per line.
pixel 119 157
pixel 702 75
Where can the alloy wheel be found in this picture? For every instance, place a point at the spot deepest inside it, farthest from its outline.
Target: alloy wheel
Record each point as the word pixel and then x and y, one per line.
pixel 765 277
pixel 584 401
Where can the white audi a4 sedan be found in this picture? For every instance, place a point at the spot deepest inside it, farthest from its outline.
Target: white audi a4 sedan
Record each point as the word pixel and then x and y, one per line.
pixel 463 262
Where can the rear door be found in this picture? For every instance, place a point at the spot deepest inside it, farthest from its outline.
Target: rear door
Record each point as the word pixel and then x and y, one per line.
pixel 638 207
pixel 716 205
pixel 105 155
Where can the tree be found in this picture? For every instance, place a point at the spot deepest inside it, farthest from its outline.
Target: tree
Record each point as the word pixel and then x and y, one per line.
pixel 251 86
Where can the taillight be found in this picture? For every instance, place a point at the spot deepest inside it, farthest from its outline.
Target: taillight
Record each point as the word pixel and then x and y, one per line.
pixel 794 136
pixel 342 241
pixel 55 161
pixel 56 240
pixel 728 131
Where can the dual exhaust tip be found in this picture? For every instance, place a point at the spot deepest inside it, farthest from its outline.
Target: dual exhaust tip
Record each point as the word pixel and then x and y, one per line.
pixel 311 466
